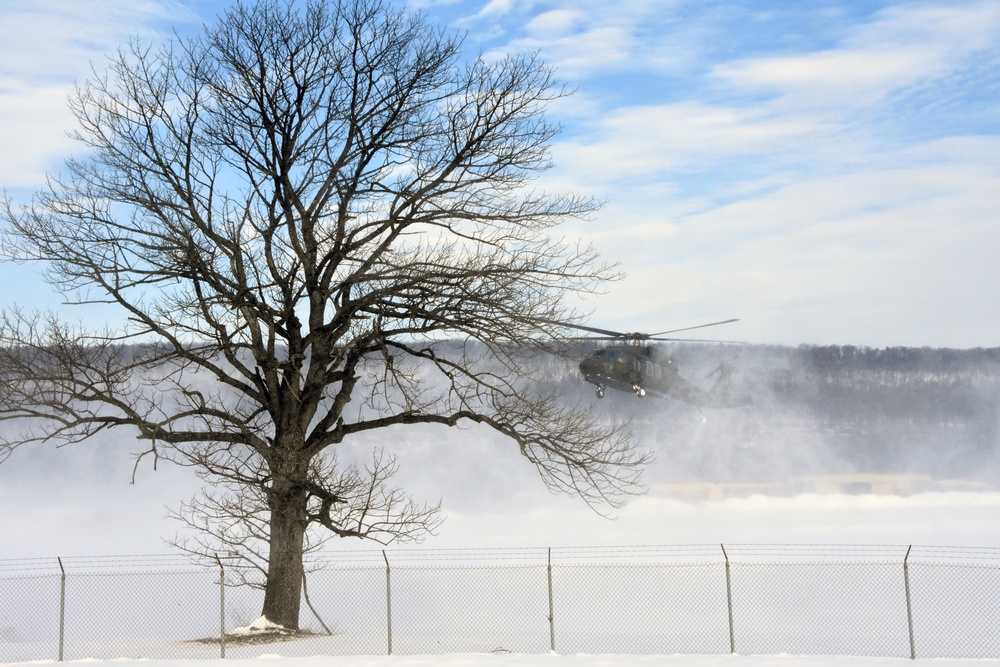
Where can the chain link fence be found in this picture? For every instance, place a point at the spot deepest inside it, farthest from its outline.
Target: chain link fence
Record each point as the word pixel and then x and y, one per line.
pixel 921 602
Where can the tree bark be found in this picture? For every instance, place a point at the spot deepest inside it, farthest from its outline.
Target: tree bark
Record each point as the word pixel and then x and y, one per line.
pixel 284 570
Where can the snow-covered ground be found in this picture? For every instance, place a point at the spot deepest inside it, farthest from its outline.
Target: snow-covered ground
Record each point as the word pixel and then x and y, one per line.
pixel 521 660
pixel 79 501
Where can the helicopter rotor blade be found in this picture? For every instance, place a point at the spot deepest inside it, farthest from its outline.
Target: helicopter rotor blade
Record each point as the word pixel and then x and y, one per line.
pixel 700 326
pixel 607 333
pixel 695 340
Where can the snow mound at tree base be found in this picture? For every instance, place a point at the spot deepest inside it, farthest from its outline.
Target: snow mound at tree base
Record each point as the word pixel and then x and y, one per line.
pixel 262 631
pixel 259 627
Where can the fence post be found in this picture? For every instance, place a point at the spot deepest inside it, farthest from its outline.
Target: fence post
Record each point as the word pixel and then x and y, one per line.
pixel 388 601
pixel 62 606
pixel 729 602
pixel 909 605
pixel 552 624
pixel 222 607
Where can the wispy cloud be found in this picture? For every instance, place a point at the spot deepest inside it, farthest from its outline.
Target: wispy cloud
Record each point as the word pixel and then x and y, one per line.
pixel 794 186
pixel 646 142
pixel 579 38
pixel 49 45
pixel 826 172
pixel 901 47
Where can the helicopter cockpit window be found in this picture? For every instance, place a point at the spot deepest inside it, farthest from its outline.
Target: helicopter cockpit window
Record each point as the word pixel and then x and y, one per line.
pixel 610 355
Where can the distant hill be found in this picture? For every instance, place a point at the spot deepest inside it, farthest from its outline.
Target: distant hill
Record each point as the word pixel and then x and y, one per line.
pixel 817 411
pixel 831 410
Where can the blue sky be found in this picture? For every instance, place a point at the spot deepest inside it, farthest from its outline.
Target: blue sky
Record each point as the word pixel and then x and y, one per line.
pixel 828 172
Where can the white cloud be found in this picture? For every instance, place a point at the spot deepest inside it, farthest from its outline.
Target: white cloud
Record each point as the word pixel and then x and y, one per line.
pixel 555 23
pixel 957 28
pixel 576 54
pixel 580 38
pixel 810 211
pixel 777 183
pixel 659 141
pixel 841 77
pixel 491 9
pixel 48 46
pixel 903 46
pixel 33 120
pixel 900 252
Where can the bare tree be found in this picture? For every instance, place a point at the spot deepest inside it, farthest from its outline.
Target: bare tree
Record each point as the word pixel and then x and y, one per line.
pixel 230 517
pixel 288 211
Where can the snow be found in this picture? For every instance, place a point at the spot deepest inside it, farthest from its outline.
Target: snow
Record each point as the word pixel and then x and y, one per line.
pixel 523 660
pixel 79 501
pixel 258 627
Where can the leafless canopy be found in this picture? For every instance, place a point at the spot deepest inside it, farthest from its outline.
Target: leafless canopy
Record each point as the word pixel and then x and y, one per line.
pixel 287 210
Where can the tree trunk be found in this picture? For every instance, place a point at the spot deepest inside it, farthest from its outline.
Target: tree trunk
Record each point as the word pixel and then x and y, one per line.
pixel 283 593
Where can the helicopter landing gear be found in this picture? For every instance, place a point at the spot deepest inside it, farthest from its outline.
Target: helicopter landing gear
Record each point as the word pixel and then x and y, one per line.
pixel 599 391
pixel 639 391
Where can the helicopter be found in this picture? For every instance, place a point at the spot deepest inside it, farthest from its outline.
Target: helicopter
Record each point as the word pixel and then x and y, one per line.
pixel 633 366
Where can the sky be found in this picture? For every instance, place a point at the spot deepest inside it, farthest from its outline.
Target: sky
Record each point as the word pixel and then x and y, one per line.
pixel 827 172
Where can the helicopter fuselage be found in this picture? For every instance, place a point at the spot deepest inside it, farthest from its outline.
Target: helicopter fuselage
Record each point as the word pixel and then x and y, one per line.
pixel 630 368
pixel 636 367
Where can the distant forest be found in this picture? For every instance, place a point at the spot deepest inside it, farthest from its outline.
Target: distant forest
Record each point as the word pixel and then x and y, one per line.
pixel 816 410
pixel 831 409
pixel 923 387
pixel 943 403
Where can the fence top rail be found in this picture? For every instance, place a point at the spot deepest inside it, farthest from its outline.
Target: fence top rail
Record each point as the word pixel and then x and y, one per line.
pixel 694 554
pixel 98 564
pixel 689 554
pixel 631 554
pixel 848 553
